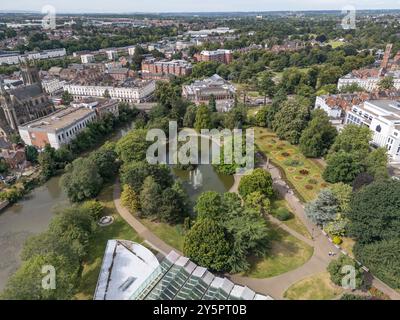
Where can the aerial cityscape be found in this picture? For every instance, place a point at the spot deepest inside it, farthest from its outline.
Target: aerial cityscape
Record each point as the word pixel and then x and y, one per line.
pixel 200 151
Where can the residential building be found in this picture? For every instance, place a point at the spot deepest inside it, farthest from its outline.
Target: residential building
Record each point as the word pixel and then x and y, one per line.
pixel 131 51
pixel 382 117
pixel 52 85
pixel 112 54
pixel 87 58
pixel 368 79
pixel 200 91
pixel 220 55
pixel 131 91
pixel 119 74
pixel 14 57
pixel 14 157
pixel 152 67
pixel 57 128
pixel 130 271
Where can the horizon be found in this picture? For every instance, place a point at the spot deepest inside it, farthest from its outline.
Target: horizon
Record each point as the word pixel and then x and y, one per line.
pixel 191 6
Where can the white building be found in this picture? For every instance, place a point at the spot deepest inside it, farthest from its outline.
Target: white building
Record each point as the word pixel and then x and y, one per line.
pixel 15 57
pixel 368 83
pixel 52 85
pixel 87 58
pixel 333 111
pixel 131 51
pixel 112 54
pixel 383 119
pixel 137 92
pixel 56 129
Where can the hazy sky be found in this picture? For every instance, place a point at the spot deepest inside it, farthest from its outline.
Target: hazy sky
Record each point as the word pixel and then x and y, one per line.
pixel 194 5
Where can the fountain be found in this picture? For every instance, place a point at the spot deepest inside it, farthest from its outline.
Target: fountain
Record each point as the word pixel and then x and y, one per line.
pixel 196 178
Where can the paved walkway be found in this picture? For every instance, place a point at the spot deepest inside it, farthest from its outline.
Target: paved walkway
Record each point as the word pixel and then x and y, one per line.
pixel 149 237
pixel 273 286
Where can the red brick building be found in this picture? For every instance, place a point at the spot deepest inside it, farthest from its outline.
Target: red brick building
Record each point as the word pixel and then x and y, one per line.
pixel 220 55
pixel 151 66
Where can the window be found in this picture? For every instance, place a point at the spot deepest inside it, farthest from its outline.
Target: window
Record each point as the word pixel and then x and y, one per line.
pixel 378 128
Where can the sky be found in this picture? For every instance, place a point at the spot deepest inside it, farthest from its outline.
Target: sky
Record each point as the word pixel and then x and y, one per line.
pixel 129 6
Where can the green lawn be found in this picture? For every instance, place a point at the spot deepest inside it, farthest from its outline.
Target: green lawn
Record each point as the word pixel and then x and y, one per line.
pixel 336 44
pixel 305 177
pixel 316 287
pixel 286 253
pixel 171 234
pixel 294 223
pixel 118 230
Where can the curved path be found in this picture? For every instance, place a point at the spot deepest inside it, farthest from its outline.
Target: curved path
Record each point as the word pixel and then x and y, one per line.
pixel 273 286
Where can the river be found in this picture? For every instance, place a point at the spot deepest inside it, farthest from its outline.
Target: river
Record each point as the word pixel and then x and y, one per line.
pixel 32 215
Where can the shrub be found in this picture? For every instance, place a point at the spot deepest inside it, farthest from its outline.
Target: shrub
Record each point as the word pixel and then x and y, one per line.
pixel 308 187
pixel 304 172
pixel 293 163
pixel 283 214
pixel 337 240
pixel 313 181
pixel 285 154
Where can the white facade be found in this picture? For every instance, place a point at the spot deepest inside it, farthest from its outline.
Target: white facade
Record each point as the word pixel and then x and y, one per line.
pixel 368 84
pixel 52 85
pixel 383 119
pixel 14 58
pixel 112 54
pixel 333 112
pixel 87 58
pixel 134 94
pixel 131 51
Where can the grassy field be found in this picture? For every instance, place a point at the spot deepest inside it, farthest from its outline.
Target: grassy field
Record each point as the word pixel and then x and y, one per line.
pixel 336 44
pixel 172 235
pixel 305 176
pixel 286 253
pixel 294 223
pixel 316 287
pixel 118 230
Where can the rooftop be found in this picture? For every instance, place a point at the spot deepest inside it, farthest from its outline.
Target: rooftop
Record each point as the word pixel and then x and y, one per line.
pixel 58 119
pixel 130 271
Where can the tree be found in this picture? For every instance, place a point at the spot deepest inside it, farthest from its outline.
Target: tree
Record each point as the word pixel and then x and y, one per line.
pixel 323 209
pixel 31 154
pixel 382 258
pixel 266 86
pixel 342 167
pixel 130 199
pixel 376 163
pixel 94 208
pixel 318 136
pixel 133 146
pixel 175 204
pixel 106 94
pixel 26 283
pixel 374 212
pixel 150 198
pixel 212 103
pixel 363 179
pixel 258 202
pixel 47 162
pixel 259 180
pixel 81 180
pixel 105 161
pixel 353 139
pixel 205 244
pixel 342 193
pixel 190 116
pixel 67 98
pixel 292 119
pixel 203 118
pixel 387 83
pixel 135 173
pixel 209 205
pixel 337 273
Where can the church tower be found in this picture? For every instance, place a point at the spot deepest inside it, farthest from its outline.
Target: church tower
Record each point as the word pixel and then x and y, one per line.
pixel 30 73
